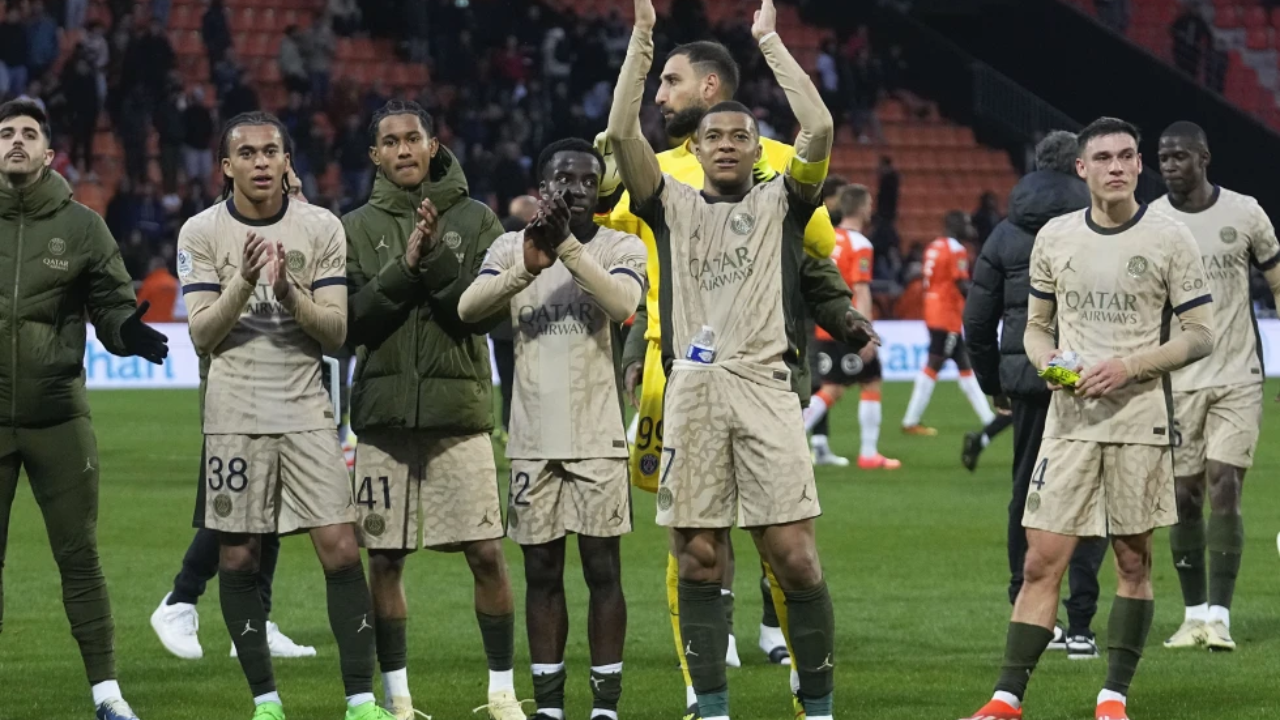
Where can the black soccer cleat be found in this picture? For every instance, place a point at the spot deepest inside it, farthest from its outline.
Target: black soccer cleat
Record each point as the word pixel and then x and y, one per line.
pixel 972 449
pixel 779 656
pixel 691 713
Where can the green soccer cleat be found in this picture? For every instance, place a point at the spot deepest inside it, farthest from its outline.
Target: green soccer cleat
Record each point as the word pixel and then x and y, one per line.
pixel 269 711
pixel 368 711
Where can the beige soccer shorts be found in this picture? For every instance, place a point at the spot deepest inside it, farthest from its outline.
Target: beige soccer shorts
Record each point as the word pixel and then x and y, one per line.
pixel 1220 424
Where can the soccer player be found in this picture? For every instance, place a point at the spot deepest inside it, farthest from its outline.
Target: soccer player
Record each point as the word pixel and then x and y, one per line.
pixel 734 446
pixel 422 401
pixel 1108 277
pixel 567 284
pixel 66 268
pixel 838 364
pixel 946 282
pixel 1218 403
pixel 264 283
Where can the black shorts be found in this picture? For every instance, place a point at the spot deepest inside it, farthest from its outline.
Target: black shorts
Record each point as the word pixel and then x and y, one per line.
pixel 838 364
pixel 949 345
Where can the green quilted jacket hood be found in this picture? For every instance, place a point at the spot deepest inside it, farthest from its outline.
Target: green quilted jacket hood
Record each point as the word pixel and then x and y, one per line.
pixel 418 365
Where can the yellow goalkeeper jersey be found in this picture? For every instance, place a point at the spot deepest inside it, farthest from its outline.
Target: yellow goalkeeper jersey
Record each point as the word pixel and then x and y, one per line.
pixel 681 164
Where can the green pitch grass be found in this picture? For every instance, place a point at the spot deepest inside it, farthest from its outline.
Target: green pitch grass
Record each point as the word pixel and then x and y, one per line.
pixel 915 560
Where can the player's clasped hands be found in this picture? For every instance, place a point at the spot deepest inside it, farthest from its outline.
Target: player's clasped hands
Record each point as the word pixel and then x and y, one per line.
pixel 278 271
pixel 256 256
pixel 423 235
pixel 1105 377
pixel 547 230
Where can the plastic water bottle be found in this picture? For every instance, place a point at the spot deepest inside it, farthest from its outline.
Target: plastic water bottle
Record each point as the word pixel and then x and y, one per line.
pixel 1069 360
pixel 702 349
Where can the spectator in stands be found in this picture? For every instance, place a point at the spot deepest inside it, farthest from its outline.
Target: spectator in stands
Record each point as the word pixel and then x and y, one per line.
pixel 292 61
pixel 132 125
pixel 1215 65
pixel 511 64
pixel 829 79
pixel 239 98
pixel 80 91
pixel 14 56
pixel 196 199
pixel 148 61
pixel 1192 36
pixel 866 92
pixel 887 193
pixel 75 12
pixel 42 40
pixel 197 137
pixel 152 218
pixel 172 128
pixel 160 288
pixel 1114 14
pixel 123 210
pixel 351 151
pixel 215 30
pixel 98 53
pixel 136 255
pixel 321 45
pixel 160 12
pixel 511 174
pixel 986 217
pixel 226 72
pixel 346 16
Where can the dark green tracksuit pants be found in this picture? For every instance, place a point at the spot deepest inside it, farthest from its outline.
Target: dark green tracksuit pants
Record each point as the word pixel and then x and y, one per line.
pixel 62 464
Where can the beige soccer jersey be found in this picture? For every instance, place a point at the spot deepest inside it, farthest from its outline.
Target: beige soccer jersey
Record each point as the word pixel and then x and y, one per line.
pixel 264 378
pixel 566 404
pixel 1232 234
pixel 1113 290
pixel 722 267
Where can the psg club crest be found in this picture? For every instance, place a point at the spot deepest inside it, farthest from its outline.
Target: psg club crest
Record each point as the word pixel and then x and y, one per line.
pixel 1137 266
pixel 665 499
pixel 295 261
pixel 1228 235
pixel 222 505
pixel 648 463
pixel 57 246
pixel 742 223
pixel 375 525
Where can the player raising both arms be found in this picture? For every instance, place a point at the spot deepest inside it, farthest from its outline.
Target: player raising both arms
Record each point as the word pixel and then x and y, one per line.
pixel 567 284
pixel 265 286
pixel 946 282
pixel 734 439
pixel 835 362
pixel 1218 403
pixel 1108 276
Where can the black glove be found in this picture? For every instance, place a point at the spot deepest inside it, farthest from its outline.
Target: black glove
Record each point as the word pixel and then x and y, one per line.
pixel 139 339
pixel 859 329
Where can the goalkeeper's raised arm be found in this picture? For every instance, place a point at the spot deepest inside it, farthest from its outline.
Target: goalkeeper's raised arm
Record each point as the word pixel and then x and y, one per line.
pixel 637 163
pixel 817 129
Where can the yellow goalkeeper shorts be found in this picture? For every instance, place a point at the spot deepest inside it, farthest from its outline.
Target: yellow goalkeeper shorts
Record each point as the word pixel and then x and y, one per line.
pixel 646 453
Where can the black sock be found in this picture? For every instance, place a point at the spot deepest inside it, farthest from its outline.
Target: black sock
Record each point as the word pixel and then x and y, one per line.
pixel 498 633
pixel 998 424
pixel 1226 544
pixel 1022 650
pixel 706 636
pixel 351 619
pixel 247 622
pixel 392 640
pixel 813 642
pixel 548 690
pixel 1187 540
pixel 770 616
pixel 606 689
pixel 1126 636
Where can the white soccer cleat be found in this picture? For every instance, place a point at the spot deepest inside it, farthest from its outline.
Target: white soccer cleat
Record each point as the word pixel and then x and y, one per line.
pixel 401 708
pixel 177 626
pixel 826 457
pixel 503 705
pixel 282 646
pixel 1217 637
pixel 731 657
pixel 774 645
pixel 1191 634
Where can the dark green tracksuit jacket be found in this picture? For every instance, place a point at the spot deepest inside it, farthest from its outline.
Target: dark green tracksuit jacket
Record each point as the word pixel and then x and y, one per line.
pixel 58 267
pixel 418 366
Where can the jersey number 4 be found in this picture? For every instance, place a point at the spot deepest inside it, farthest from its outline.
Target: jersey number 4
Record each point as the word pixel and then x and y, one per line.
pixel 365 495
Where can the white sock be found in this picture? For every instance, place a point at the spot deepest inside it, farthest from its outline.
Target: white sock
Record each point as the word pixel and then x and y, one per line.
pixel 1008 698
pixel 500 680
pixel 273 697
pixel 795 680
pixel 815 412
pixel 396 683
pixel 919 400
pixel 633 429
pixel 106 690
pixel 1198 612
pixel 869 426
pixel 819 443
pixel 597 712
pixel 1107 695
pixel 717 717
pixel 819 717
pixel 553 713
pixel 359 699
pixel 547 668
pixel 973 391
pixel 986 440
pixel 690 697
pixel 1217 612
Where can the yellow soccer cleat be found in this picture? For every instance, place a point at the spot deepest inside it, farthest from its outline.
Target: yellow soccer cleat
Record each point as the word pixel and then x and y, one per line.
pixel 1190 635
pixel 503 705
pixel 1217 637
pixel 798 707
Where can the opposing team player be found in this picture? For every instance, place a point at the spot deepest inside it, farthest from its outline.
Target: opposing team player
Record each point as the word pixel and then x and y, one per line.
pixel 734 446
pixel 1218 403
pixel 567 284
pixel 265 287
pixel 1106 277
pixel 835 362
pixel 946 282
pixel 421 402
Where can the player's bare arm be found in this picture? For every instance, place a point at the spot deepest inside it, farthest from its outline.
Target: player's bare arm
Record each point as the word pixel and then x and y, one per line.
pixel 637 163
pixel 808 168
pixel 212 313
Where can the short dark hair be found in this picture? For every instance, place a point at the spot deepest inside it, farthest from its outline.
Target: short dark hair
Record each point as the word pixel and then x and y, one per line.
pixel 732 106
pixel 568 145
pixel 256 117
pixel 26 108
pixel 832 185
pixel 707 57
pixel 853 198
pixel 955 222
pixel 1107 126
pixel 400 107
pixel 1058 152
pixel 1185 129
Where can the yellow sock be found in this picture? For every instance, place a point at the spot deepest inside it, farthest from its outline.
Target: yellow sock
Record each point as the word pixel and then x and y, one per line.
pixel 673 604
pixel 780 607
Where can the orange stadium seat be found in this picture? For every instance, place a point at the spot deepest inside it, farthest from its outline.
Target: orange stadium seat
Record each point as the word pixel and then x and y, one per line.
pixel 1258 38
pixel 1227 17
pixel 1255 17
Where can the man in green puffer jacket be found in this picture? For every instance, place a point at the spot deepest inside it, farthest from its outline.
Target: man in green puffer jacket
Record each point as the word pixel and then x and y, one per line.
pixel 63 266
pixel 421 403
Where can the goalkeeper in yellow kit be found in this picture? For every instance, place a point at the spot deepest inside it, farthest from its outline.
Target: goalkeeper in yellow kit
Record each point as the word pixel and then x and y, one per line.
pixel 697 76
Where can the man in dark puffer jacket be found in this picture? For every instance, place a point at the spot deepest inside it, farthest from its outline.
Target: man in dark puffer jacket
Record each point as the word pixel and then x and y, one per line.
pixel 1001 280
